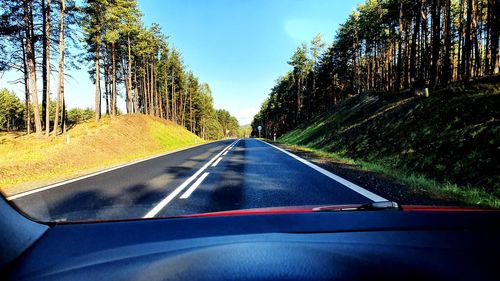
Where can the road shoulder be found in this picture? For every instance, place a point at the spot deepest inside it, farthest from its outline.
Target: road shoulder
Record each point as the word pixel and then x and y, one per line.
pixel 372 181
pixel 27 188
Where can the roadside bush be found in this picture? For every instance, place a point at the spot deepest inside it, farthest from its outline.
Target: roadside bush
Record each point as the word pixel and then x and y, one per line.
pixel 214 130
pixel 11 111
pixel 78 115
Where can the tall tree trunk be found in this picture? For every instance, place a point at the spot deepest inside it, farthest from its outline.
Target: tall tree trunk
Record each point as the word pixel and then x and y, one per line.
pixel 466 53
pixel 97 79
pixel 299 105
pixel 136 93
pixel 146 89
pixel 487 54
pixel 60 88
pixel 145 94
pixel 128 100
pixel 152 106
pixel 26 85
pixel 183 108
pixel 423 47
pixel 47 93
pixel 46 65
pixel 129 77
pixel 153 90
pixel 399 63
pixel 167 106
pixel 357 81
pixel 181 117
pixel 406 52
pixel 113 77
pixel 159 111
pixel 495 34
pixel 174 110
pixel 387 69
pixel 107 83
pixel 436 42
pixel 476 35
pixel 191 112
pixel 30 54
pixel 446 72
pixel 460 40
pixel 63 115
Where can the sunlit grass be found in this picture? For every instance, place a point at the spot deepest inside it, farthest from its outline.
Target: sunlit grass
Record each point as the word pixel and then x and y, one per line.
pixel 468 194
pixel 443 144
pixel 334 156
pixel 418 182
pixel 171 136
pixel 27 162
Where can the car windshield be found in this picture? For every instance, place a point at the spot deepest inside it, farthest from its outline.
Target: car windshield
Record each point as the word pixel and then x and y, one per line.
pixel 136 109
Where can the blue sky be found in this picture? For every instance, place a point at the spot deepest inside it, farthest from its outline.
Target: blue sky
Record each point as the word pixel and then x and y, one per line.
pixel 238 47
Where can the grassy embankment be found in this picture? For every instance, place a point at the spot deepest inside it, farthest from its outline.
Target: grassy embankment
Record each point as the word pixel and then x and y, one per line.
pixel 446 145
pixel 27 162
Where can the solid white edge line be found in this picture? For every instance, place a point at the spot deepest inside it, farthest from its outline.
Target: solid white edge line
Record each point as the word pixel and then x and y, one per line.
pixel 33 191
pixel 354 187
pixel 216 162
pixel 194 186
pixel 179 189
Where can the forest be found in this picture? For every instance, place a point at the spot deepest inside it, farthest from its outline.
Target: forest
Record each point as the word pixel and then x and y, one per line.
pixel 41 39
pixel 389 46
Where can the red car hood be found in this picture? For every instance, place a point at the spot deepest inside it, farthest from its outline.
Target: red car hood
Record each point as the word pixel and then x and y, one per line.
pixel 316 208
pixel 303 209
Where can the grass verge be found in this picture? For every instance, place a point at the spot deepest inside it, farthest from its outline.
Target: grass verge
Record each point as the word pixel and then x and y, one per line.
pixel 446 137
pixel 28 162
pixel 420 183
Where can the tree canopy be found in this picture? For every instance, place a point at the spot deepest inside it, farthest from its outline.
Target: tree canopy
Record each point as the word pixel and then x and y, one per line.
pixel 125 58
pixel 386 46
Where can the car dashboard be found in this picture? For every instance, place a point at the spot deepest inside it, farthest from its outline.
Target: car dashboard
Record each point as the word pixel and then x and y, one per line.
pixel 368 245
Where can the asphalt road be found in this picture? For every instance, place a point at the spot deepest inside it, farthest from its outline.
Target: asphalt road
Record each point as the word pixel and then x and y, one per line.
pixel 219 176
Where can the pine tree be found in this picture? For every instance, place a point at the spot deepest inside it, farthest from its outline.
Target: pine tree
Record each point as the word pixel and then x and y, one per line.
pixel 93 25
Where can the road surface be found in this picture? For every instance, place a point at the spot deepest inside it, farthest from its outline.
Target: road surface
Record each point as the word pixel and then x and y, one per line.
pixel 218 176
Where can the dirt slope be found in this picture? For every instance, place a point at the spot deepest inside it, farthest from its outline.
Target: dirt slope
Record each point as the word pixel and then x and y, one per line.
pixel 28 161
pixel 453 135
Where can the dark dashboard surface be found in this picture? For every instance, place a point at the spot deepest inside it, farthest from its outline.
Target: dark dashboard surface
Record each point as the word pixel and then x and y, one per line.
pixel 368 245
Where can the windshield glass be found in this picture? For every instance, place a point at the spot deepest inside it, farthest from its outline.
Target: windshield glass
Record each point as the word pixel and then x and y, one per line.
pixel 142 109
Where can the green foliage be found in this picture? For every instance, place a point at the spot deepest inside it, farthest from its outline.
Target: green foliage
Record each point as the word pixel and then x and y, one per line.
pixel 245 131
pixel 361 97
pixel 229 123
pixel 77 115
pixel 446 138
pixel 214 129
pixel 300 61
pixel 317 47
pixel 11 111
pixel 152 72
pixel 418 182
pixel 385 46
